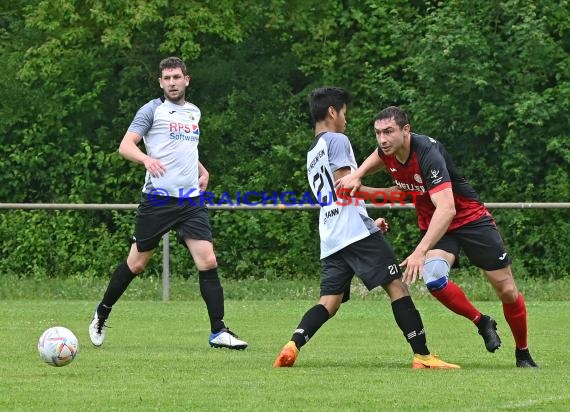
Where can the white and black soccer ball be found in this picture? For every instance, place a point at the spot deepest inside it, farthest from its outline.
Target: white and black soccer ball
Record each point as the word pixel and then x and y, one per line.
pixel 58 346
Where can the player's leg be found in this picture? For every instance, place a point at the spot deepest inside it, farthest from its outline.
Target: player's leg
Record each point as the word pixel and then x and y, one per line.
pixel 451 295
pixel 407 316
pixel 212 293
pixel 118 284
pixel 376 265
pixel 409 321
pixel 495 262
pixel 335 289
pixel 316 317
pixel 485 248
pixel 150 224
pixel 202 252
pixel 310 323
pixel 436 278
pixel 195 233
pixel 514 309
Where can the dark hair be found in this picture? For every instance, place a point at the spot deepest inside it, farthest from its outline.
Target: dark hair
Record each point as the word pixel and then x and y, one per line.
pixel 171 63
pixel 399 115
pixel 324 97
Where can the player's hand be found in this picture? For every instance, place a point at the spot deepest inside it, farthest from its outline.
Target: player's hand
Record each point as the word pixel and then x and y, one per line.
pixel 350 182
pixel 382 224
pixel 203 182
pixel 154 167
pixel 414 265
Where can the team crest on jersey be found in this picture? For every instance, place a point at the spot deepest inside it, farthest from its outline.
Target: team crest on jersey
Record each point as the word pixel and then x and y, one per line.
pixel 418 178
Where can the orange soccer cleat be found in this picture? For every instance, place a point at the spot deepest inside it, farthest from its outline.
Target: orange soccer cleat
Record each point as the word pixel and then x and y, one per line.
pixel 431 362
pixel 287 356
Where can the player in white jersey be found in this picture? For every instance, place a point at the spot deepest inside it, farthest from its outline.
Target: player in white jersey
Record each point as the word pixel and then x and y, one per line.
pixel 351 242
pixel 174 178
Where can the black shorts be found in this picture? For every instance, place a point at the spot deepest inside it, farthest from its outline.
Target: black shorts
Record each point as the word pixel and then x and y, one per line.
pixel 481 242
pixel 189 220
pixel 371 259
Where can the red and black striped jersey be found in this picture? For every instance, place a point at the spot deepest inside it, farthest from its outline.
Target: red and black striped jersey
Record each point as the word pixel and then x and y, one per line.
pixel 429 169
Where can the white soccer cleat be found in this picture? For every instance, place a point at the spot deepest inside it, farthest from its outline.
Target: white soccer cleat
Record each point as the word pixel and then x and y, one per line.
pixel 97 330
pixel 226 339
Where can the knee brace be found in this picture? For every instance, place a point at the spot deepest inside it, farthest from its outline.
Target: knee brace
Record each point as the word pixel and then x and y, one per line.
pixel 435 273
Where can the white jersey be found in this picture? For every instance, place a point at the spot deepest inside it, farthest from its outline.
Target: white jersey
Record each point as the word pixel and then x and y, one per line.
pixel 339 226
pixel 171 134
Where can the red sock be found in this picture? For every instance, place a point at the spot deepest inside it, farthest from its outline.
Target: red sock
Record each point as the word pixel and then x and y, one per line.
pixel 515 315
pixel 453 297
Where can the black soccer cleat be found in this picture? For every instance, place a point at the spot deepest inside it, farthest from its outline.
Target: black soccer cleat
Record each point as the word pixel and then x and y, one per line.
pixel 524 360
pixel 488 330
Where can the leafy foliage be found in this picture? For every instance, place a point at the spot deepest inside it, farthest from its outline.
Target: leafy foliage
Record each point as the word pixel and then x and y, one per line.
pixel 489 79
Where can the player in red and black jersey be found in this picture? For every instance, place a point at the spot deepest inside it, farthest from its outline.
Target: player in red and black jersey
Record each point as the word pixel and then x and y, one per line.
pixel 451 218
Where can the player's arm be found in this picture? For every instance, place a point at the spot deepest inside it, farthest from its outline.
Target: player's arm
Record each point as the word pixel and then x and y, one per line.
pixel 371 165
pixel 345 171
pixel 130 150
pixel 440 221
pixel 379 193
pixel 204 177
pixel 353 181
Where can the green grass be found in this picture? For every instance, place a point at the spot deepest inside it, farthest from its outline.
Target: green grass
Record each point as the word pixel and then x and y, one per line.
pixel 150 288
pixel 156 358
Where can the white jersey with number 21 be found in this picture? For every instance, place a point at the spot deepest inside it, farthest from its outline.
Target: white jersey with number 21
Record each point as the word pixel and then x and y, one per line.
pixel 339 226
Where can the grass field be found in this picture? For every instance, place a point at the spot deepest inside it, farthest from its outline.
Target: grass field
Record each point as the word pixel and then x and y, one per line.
pixel 156 358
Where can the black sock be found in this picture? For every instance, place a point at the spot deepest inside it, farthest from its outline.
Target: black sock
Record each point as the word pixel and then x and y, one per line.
pixel 213 294
pixel 120 281
pixel 410 322
pixel 103 311
pixel 312 320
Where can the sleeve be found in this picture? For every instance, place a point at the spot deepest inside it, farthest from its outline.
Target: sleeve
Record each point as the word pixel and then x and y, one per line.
pixel 434 169
pixel 143 120
pixel 340 152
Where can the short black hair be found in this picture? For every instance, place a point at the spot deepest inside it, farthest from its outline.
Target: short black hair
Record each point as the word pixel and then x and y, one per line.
pixel 400 116
pixel 324 97
pixel 171 62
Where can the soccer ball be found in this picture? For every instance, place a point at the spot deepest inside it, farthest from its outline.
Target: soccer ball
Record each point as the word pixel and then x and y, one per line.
pixel 58 346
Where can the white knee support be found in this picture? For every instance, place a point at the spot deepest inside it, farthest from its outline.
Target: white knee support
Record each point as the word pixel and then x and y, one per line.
pixel 436 271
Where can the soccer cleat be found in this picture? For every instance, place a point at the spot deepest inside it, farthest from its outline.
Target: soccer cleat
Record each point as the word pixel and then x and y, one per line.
pixel 225 338
pixel 287 356
pixel 431 362
pixel 488 330
pixel 97 330
pixel 524 360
